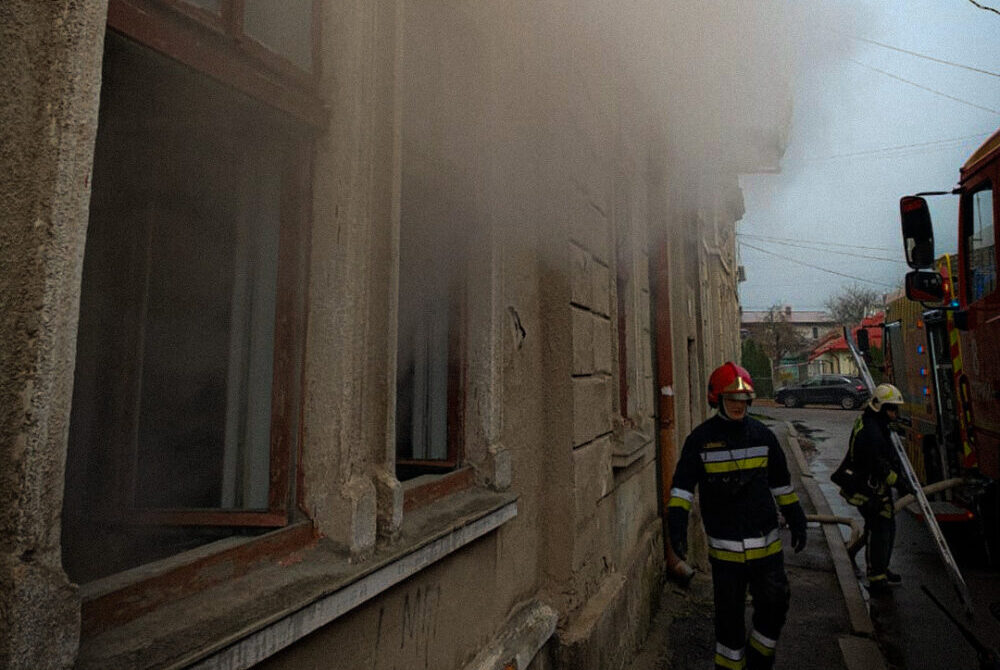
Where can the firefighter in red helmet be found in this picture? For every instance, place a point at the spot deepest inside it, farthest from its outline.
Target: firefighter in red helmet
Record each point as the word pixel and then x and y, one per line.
pixel 742 479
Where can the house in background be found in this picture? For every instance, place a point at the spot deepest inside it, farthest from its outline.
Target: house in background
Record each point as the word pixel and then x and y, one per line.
pixel 811 325
pixel 831 355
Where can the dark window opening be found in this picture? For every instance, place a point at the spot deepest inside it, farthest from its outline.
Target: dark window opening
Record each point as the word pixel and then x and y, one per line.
pixel 430 369
pixel 183 415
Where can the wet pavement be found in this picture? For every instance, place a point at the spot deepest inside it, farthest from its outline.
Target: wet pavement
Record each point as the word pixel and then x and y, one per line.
pixel 682 636
pixel 911 631
pixel 912 634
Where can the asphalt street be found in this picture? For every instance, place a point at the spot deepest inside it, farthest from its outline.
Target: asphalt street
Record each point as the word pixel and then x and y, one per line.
pixel 682 636
pixel 911 631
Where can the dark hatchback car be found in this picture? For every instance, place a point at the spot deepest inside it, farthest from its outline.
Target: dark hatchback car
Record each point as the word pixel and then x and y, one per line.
pixel 848 392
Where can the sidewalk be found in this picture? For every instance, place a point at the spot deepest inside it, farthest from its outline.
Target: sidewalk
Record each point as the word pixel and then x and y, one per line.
pixel 828 624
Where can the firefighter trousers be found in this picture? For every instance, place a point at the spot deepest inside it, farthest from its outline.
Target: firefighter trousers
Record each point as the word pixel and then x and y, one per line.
pixel 880 534
pixel 768 585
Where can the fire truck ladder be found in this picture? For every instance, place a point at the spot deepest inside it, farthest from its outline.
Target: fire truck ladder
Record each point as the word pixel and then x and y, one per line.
pixel 925 507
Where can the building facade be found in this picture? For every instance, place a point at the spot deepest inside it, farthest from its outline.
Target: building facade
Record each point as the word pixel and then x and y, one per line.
pixel 355 330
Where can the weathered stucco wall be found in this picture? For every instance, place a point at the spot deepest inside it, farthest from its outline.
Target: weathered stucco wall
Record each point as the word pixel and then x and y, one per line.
pixel 349 347
pixel 50 55
pixel 525 129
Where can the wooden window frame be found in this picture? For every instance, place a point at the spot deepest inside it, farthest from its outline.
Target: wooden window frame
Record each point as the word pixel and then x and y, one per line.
pixel 456 396
pixel 204 42
pixel 450 475
pixel 626 306
pixel 187 34
pixel 120 605
pixel 289 319
pixel 624 276
pixel 216 45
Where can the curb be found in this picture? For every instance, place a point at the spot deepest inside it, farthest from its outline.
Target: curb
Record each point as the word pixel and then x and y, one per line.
pixel 859 649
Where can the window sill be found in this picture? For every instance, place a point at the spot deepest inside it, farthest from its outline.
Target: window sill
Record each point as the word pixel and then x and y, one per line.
pixel 251 617
pixel 631 448
pixel 425 489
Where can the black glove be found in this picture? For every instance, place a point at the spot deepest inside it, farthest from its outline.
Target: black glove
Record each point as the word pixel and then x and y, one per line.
pixel 677 526
pixel 796 519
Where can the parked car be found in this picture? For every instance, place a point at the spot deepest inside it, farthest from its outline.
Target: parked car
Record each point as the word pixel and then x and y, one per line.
pixel 848 392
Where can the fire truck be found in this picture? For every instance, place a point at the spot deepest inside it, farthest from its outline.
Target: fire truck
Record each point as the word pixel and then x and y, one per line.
pixel 923 358
pixel 943 344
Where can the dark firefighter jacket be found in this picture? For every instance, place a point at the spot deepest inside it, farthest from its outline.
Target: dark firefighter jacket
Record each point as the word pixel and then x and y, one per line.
pixel 871 466
pixel 740 471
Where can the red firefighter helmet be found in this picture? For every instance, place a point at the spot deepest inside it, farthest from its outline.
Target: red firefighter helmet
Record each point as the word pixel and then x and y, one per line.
pixel 732 380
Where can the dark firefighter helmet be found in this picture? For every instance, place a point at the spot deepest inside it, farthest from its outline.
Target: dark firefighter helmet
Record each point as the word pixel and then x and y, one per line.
pixel 732 380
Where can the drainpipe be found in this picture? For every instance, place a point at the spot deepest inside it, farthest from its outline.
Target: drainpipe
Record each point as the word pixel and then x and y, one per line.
pixel 663 363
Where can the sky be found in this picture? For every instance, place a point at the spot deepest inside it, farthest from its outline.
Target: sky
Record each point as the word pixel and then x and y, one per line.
pixel 861 138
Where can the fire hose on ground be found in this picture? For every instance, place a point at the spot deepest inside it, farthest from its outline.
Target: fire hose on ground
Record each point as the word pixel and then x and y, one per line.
pixel 857 539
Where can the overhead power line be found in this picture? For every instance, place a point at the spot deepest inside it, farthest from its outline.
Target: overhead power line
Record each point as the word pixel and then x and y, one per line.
pixel 832 244
pixel 902 149
pixel 814 247
pixel 925 88
pixel 925 56
pixel 817 267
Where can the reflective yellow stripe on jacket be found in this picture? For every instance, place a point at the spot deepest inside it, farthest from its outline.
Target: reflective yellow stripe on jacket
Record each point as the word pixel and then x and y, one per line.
pixel 680 498
pixel 727 460
pixel 784 495
pixel 747 549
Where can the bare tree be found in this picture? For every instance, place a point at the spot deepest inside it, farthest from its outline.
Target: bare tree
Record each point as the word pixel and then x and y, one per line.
pixel 853 304
pixel 778 338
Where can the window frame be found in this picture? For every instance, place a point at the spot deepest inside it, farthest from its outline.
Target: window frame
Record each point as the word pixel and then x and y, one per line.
pixel 444 477
pixel 190 36
pixel 216 45
pixel 968 230
pixel 177 30
pixel 289 317
pixel 455 418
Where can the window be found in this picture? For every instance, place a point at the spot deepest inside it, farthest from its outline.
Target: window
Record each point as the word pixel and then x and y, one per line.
pixel 815 332
pixel 185 397
pixel 894 349
pixel 266 49
pixel 430 370
pixel 980 244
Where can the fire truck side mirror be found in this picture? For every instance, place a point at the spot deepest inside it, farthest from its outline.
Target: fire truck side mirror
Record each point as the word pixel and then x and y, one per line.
pixel 918 233
pixel 864 346
pixel 922 286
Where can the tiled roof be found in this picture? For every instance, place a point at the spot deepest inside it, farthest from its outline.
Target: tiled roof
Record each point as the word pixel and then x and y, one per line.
pixel 873 324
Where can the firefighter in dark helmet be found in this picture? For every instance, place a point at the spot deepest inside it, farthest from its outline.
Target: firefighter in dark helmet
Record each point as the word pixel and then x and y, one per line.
pixel 872 470
pixel 741 473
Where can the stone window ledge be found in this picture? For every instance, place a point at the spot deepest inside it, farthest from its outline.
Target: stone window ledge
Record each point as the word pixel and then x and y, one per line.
pixel 245 620
pixel 628 449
